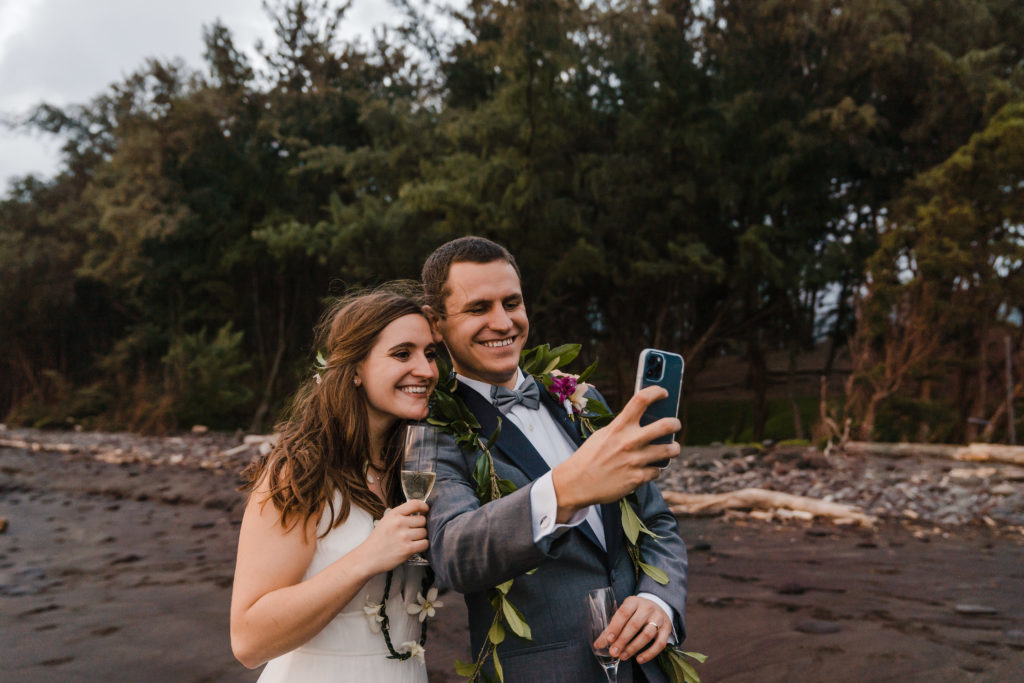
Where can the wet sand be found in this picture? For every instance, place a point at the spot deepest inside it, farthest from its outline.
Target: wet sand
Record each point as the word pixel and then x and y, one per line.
pixel 123 572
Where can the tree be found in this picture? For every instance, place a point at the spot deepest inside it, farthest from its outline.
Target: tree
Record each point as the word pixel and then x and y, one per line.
pixel 947 273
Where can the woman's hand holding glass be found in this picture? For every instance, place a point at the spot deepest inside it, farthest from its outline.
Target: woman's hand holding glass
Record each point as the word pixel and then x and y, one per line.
pixel 398 535
pixel 418 461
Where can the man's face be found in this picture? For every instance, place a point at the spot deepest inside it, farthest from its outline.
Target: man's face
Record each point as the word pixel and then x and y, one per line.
pixel 485 325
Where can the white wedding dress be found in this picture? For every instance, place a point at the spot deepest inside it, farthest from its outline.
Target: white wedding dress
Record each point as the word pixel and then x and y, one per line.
pixel 349 648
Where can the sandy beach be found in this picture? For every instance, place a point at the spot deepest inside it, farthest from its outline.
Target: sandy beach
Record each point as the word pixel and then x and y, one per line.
pixel 122 571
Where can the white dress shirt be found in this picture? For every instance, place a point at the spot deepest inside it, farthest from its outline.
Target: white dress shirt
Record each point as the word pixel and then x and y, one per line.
pixel 555 447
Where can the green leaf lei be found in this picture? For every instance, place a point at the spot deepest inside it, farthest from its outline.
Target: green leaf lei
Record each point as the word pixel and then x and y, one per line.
pixel 451 415
pixel 385 623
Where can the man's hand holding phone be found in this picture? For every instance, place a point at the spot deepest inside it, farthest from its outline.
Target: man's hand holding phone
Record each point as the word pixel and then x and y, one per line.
pixel 617 458
pixel 662 369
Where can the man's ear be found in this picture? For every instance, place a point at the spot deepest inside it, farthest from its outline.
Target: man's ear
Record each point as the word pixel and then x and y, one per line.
pixel 434 318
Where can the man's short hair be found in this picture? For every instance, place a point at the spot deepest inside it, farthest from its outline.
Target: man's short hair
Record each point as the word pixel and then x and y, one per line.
pixel 471 249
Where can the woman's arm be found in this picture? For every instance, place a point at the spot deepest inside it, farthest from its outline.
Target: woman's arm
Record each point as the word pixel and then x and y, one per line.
pixel 272 610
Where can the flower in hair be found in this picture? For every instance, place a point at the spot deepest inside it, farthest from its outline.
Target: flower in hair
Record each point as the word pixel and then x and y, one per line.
pixel 321 364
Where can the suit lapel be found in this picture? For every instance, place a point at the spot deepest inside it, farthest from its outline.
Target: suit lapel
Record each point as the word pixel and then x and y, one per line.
pixel 514 444
pixel 511 441
pixel 611 521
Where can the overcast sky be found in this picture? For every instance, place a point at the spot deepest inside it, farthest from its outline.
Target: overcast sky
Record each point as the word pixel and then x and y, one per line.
pixel 68 51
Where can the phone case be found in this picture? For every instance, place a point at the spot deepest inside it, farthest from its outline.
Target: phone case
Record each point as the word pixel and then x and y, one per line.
pixel 664 369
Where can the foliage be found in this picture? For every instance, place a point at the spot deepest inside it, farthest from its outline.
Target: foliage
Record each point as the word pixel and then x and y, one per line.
pixel 705 177
pixel 947 275
pixel 206 374
pixel 731 420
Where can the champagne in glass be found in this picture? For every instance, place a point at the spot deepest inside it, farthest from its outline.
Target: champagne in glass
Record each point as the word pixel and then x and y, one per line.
pixel 418 468
pixel 600 609
pixel 417 484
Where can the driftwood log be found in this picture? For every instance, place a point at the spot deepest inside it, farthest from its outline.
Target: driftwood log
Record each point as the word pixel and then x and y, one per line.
pixel 37 446
pixel 763 499
pixel 209 457
pixel 975 452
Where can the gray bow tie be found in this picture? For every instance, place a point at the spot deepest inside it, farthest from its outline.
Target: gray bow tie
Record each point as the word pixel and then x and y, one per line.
pixel 504 398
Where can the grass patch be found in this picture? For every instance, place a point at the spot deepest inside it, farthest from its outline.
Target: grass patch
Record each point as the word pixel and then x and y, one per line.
pixel 732 420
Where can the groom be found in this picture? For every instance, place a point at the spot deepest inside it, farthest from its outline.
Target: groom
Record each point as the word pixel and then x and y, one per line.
pixel 563 519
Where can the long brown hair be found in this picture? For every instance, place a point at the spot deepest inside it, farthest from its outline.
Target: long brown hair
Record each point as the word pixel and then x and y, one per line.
pixel 325 444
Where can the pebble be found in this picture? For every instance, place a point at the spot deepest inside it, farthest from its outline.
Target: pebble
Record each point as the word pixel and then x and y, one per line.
pixel 975 610
pixel 716 602
pixel 922 490
pixel 818 627
pixel 195 450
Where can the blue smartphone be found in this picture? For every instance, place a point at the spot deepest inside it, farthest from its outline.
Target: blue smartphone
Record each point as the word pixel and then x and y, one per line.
pixel 663 369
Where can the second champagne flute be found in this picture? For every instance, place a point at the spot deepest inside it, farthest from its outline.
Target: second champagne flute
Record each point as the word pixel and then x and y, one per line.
pixel 600 609
pixel 418 474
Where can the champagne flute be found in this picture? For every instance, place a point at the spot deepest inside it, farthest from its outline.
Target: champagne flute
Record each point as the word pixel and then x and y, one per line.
pixel 418 474
pixel 600 609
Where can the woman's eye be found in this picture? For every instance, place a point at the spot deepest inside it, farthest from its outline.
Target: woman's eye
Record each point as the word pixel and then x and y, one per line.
pixel 401 355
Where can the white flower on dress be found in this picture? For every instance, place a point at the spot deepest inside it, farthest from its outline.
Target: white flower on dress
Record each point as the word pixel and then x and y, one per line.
pixel 373 614
pixel 425 606
pixel 413 648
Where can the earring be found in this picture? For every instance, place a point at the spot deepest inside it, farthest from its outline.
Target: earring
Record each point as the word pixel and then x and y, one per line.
pixel 356 381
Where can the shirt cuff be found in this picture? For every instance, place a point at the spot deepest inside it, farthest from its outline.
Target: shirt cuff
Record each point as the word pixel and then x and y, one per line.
pixel 673 639
pixel 544 510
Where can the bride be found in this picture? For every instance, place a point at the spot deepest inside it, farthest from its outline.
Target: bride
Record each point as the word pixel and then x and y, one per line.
pixel 325 521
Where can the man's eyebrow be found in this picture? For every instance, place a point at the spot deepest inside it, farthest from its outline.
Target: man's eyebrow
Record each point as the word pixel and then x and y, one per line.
pixel 486 301
pixel 476 302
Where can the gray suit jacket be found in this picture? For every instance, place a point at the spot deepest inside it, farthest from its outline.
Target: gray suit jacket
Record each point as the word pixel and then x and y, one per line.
pixel 474 547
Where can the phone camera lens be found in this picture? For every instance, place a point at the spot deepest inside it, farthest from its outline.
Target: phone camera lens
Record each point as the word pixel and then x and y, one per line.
pixel 654 367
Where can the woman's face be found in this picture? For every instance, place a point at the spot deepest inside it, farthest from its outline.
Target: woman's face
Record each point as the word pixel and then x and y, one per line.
pixel 399 372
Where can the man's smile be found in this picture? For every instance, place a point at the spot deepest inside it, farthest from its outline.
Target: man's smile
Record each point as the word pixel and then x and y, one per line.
pixel 499 343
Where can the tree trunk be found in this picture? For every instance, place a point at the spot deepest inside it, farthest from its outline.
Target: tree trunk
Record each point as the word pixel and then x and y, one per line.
pixel 1000 413
pixel 842 311
pixel 798 425
pixel 867 425
pixel 926 396
pixel 977 409
pixel 758 383
pixel 282 346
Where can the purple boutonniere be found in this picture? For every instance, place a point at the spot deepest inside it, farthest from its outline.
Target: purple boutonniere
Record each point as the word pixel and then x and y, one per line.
pixel 569 391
